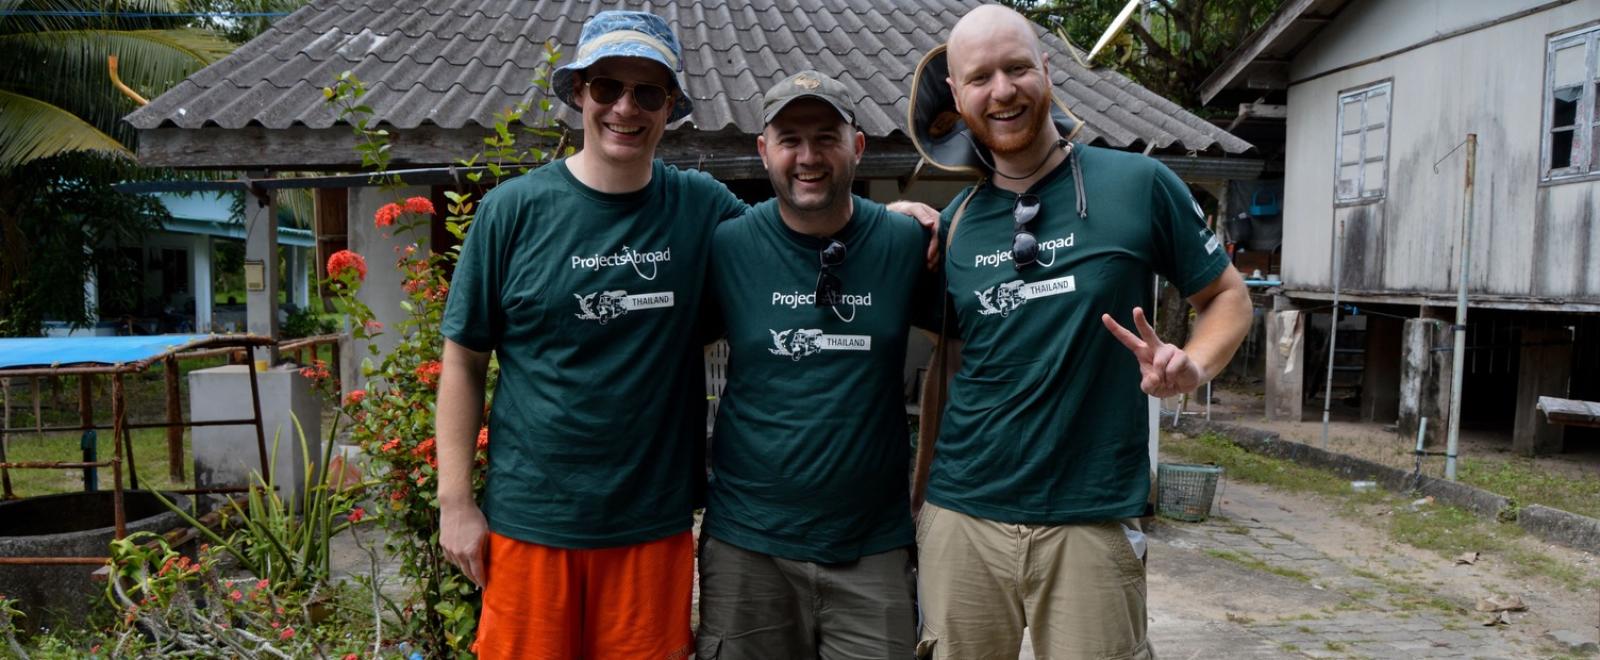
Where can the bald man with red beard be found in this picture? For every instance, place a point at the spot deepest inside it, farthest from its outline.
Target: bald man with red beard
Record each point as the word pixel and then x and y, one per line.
pixel 1041 467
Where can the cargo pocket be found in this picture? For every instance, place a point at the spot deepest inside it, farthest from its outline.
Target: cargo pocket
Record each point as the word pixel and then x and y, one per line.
pixel 1121 550
pixel 707 647
pixel 924 522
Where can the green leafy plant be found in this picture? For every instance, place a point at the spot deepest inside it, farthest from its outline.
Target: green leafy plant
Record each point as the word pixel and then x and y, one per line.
pixel 392 416
pixel 272 538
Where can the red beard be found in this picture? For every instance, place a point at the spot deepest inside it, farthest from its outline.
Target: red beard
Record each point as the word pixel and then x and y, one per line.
pixel 1011 142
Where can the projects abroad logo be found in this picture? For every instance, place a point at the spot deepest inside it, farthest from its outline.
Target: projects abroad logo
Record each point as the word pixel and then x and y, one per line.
pixel 626 257
pixel 606 306
pixel 999 257
pixel 796 300
pixel 806 342
pixel 1007 297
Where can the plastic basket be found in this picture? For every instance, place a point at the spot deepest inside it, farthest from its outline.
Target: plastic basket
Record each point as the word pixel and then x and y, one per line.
pixel 1184 491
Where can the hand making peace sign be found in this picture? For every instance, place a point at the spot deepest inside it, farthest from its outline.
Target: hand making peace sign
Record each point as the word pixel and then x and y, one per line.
pixel 1165 369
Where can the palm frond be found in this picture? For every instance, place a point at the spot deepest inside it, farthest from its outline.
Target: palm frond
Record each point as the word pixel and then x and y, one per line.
pixel 32 129
pixel 84 14
pixel 69 69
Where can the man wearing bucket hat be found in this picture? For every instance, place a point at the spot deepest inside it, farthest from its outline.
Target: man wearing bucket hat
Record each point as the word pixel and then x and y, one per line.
pixel 1041 465
pixel 806 542
pixel 585 278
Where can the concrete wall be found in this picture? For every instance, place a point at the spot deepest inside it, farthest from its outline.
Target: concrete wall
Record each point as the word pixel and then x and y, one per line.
pixel 226 455
pixel 1528 240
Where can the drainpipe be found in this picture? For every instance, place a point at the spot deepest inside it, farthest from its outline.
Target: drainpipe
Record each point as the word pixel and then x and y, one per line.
pixel 1459 353
pixel 1333 332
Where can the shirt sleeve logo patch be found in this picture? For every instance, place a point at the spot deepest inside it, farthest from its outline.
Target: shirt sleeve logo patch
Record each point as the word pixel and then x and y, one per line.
pixel 606 306
pixel 806 342
pixel 1007 297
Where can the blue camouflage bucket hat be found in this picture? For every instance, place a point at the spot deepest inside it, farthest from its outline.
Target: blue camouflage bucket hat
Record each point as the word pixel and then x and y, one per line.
pixel 625 34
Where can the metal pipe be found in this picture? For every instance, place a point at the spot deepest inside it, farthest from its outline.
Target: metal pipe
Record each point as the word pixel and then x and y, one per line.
pixel 261 436
pixel 144 425
pixel 54 561
pixel 1333 331
pixel 169 369
pixel 117 412
pixel 1459 357
pixel 52 465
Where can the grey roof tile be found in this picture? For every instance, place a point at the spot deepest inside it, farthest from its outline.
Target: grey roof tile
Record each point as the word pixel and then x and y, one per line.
pixel 455 64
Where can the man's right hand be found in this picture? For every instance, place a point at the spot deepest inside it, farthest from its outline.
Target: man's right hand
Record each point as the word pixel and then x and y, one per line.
pixel 464 535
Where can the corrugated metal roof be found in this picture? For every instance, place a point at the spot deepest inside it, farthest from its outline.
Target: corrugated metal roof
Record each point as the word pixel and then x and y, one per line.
pixel 455 64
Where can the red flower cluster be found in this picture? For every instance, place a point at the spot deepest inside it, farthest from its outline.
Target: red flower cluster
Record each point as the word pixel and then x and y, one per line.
pixel 317 371
pixel 428 372
pixel 344 261
pixel 357 514
pixel 425 450
pixel 483 438
pixel 354 397
pixel 387 214
pixel 420 205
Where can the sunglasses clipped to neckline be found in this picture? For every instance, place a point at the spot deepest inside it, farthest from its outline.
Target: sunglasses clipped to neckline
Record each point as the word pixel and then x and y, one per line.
pixel 830 289
pixel 648 96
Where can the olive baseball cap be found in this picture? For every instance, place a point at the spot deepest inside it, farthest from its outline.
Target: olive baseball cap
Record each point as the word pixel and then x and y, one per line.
pixel 808 85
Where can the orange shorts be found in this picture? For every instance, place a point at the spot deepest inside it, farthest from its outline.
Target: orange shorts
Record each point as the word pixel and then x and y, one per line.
pixel 556 603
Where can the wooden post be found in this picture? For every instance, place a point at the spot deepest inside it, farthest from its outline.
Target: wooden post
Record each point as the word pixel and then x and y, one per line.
pixel 1285 357
pixel 174 416
pixel 38 411
pixel 1380 387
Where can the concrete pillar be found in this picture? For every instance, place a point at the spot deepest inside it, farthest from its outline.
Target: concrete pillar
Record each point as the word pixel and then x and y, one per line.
pixel 1546 368
pixel 200 280
pixel 261 247
pixel 1380 386
pixel 299 280
pixel 1285 372
pixel 226 455
pixel 1425 378
pixel 382 289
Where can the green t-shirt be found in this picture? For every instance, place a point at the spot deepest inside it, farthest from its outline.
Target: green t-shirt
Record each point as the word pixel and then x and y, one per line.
pixel 810 455
pixel 589 300
pixel 1046 423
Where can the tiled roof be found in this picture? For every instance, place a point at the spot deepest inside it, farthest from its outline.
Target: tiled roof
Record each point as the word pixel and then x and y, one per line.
pixel 455 64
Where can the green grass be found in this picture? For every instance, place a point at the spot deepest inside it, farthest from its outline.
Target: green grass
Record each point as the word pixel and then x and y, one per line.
pixel 1240 464
pixel 1519 480
pixel 149 451
pixel 1249 561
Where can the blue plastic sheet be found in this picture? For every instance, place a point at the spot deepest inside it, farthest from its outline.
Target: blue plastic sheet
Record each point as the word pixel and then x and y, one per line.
pixel 62 351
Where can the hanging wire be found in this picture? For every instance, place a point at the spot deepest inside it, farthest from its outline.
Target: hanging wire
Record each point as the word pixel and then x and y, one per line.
pixel 62 13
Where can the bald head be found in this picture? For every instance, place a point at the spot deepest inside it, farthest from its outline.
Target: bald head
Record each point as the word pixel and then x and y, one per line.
pixel 985 26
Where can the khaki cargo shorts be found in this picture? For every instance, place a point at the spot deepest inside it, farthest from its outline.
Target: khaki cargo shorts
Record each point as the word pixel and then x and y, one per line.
pixel 1079 589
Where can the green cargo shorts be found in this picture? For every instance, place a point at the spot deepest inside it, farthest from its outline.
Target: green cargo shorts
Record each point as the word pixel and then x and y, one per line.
pixel 756 606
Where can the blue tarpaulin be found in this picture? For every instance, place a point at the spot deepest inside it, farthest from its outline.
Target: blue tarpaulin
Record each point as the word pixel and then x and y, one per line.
pixel 61 351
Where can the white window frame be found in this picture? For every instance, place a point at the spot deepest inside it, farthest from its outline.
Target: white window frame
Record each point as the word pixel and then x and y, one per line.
pixel 1368 163
pixel 1583 161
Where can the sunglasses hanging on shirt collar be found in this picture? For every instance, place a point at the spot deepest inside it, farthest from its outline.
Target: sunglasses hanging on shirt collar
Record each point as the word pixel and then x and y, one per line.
pixel 830 289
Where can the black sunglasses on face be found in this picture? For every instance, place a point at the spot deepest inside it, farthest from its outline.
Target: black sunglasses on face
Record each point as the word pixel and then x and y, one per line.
pixel 830 290
pixel 607 91
pixel 1024 247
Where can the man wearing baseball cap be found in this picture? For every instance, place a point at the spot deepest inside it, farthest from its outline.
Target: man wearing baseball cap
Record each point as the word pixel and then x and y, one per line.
pixel 806 541
pixel 584 278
